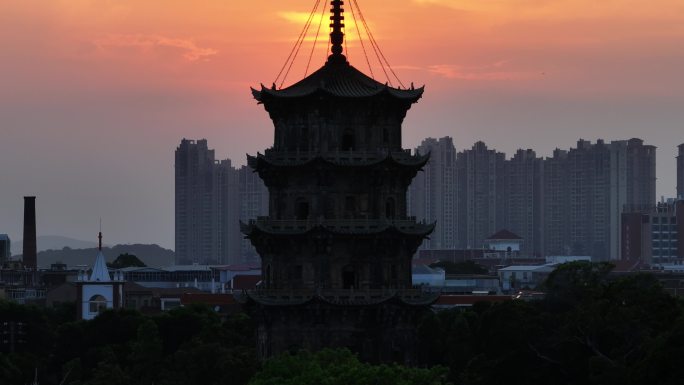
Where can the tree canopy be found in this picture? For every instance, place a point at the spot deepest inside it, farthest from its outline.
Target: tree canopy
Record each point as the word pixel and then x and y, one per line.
pixel 126 260
pixel 593 327
pixel 188 345
pixel 341 367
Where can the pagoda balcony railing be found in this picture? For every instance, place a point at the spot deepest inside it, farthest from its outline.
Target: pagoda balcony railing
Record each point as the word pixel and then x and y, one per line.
pixel 414 292
pixel 339 155
pixel 341 224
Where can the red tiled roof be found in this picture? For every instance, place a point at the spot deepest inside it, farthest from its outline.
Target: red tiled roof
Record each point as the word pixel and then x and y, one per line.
pixel 469 299
pixel 245 282
pixel 427 261
pixel 208 299
pixel 173 292
pixel 626 265
pixel 161 292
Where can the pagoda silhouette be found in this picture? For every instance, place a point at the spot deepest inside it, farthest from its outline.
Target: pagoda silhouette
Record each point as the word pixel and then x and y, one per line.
pixel 337 245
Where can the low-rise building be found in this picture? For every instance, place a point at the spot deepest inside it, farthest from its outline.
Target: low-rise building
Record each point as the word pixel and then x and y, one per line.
pixel 427 276
pixel 524 276
pixel 471 284
pixel 207 278
pixel 447 301
pixel 504 241
pixel 654 234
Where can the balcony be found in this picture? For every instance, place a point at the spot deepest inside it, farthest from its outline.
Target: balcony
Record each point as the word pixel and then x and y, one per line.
pixel 342 157
pixel 338 296
pixel 340 225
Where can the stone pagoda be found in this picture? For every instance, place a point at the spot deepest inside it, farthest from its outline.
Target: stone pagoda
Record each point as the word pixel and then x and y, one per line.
pixel 337 245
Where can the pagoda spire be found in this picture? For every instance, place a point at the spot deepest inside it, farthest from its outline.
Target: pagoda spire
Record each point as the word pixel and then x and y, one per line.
pixel 336 35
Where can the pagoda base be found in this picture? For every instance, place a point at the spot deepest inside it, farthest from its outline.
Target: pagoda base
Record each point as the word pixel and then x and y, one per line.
pixel 379 332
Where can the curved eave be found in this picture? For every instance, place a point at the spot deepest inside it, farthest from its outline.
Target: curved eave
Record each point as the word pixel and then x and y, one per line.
pixel 340 301
pixel 417 161
pixel 246 228
pixel 269 94
pixel 270 301
pixel 254 228
pixel 259 159
pixel 253 161
pixel 425 299
pixel 257 94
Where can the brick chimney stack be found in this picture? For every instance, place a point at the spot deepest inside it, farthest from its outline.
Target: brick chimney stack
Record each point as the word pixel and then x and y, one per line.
pixel 30 252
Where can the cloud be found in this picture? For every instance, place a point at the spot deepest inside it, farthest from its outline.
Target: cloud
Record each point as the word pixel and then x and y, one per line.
pixel 493 71
pixel 482 6
pixel 189 49
pixel 300 18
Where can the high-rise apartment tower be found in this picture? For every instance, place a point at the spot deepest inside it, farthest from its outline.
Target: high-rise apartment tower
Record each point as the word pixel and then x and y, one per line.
pixel 432 194
pixel 207 206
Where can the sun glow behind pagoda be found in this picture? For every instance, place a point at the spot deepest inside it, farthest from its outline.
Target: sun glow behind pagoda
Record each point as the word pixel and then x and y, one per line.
pixel 337 45
pixel 337 245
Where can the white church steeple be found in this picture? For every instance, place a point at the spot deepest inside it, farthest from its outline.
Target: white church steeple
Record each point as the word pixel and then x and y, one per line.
pixel 99 292
pixel 100 271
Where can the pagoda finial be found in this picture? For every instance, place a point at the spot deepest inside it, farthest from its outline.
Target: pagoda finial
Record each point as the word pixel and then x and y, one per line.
pixel 337 36
pixel 99 237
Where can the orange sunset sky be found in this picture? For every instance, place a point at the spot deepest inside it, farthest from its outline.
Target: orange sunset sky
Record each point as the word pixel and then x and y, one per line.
pixel 96 94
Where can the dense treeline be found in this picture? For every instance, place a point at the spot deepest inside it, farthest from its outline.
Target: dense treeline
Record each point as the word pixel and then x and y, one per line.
pixel 592 328
pixel 341 367
pixel 189 345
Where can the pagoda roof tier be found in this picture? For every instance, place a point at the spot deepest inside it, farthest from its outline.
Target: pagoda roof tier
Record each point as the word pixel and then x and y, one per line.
pixel 340 79
pixel 345 297
pixel 338 158
pixel 337 226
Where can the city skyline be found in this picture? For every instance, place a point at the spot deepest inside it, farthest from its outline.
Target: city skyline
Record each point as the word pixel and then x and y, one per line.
pixel 249 187
pixel 211 199
pixel 98 95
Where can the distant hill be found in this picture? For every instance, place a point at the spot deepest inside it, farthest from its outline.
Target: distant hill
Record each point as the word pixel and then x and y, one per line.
pixel 53 242
pixel 151 255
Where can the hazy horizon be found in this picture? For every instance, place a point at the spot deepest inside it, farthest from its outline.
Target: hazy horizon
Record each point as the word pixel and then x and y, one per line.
pixel 97 95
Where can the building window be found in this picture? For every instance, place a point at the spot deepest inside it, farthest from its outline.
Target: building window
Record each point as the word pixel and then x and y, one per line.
pixel 97 304
pixel 302 209
pixel 390 208
pixel 304 138
pixel 297 275
pixel 350 205
pixel 268 274
pixel 348 277
pixel 348 142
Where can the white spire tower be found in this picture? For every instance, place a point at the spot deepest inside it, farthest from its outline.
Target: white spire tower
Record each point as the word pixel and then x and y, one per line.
pixel 99 292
